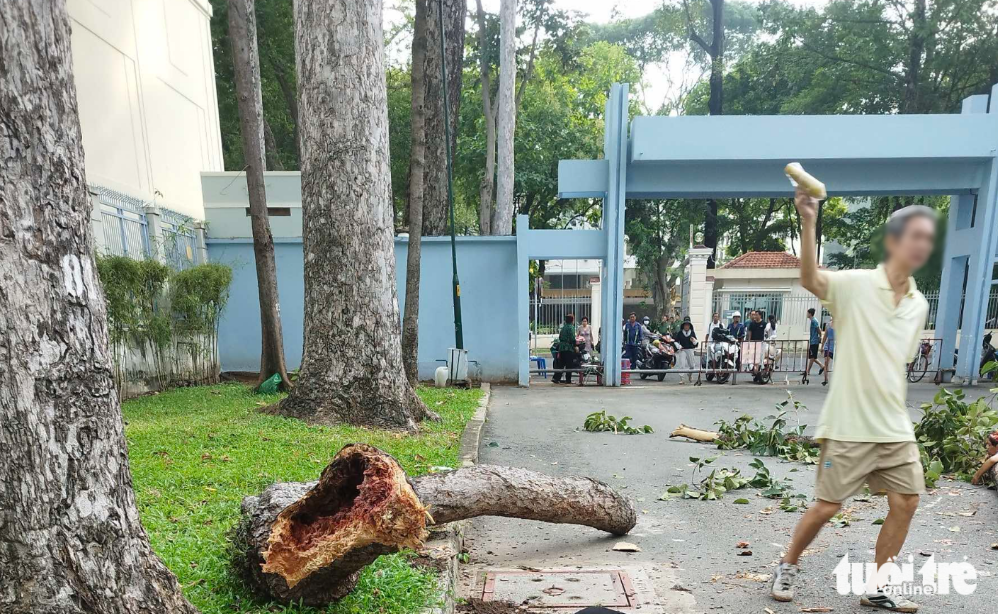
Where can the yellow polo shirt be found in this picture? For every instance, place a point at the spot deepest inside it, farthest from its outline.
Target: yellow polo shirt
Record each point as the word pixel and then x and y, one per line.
pixel 874 342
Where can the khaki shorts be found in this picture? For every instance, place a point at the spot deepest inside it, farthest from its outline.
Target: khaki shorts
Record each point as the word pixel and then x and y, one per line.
pixel 845 466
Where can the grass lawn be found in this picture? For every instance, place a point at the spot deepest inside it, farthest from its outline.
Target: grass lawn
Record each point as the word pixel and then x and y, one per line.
pixel 196 452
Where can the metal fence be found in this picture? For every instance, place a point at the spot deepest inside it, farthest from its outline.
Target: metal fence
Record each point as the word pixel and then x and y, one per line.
pixel 180 245
pixel 126 231
pixel 549 314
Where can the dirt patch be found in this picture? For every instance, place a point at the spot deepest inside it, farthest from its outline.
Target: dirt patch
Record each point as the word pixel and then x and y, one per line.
pixel 477 606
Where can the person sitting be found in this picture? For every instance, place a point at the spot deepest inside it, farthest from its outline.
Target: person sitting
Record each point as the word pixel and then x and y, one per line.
pixel 991 444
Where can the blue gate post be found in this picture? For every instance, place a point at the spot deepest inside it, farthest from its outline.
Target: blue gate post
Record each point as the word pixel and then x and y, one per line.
pixel 615 152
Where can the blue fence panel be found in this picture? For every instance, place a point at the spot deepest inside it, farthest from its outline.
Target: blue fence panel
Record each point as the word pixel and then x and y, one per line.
pixel 126 232
pixel 180 244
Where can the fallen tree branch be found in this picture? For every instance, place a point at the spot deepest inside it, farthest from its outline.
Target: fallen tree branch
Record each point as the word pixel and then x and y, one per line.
pixel 308 542
pixel 694 433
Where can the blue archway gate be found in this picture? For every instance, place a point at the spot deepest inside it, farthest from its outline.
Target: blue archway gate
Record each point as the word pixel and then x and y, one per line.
pixel 744 156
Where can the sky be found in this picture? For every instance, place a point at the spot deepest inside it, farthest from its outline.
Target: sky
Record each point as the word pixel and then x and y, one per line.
pixel 658 78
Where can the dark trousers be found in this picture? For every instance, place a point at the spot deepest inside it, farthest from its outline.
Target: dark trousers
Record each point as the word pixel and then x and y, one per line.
pixel 564 360
pixel 631 353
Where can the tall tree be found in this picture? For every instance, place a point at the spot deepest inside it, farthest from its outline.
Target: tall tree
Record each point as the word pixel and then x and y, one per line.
pixel 489 109
pixel 410 322
pixel 351 367
pixel 502 219
pixel 246 67
pixel 715 105
pixel 70 538
pixel 436 208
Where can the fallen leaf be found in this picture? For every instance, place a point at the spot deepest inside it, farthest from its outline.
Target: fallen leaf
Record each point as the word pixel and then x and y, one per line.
pixel 818 609
pixel 677 587
pixel 878 521
pixel 994 546
pixel 741 501
pixel 742 545
pixel 626 547
pixel 955 529
pixel 768 611
pixel 744 553
pixel 554 591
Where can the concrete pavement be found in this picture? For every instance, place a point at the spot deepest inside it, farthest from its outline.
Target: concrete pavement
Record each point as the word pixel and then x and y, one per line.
pixel 688 548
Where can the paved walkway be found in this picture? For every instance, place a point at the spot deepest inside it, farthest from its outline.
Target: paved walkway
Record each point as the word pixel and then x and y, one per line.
pixel 688 548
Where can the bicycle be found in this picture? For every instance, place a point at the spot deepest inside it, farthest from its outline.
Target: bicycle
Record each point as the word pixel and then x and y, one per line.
pixel 918 367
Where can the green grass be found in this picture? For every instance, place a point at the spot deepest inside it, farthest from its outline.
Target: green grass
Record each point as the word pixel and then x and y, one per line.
pixel 196 452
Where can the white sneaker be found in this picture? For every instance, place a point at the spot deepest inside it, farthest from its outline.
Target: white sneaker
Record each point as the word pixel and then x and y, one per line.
pixel 891 603
pixel 782 586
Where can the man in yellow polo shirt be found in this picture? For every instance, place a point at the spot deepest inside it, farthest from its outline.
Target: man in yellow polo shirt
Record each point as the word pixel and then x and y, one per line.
pixel 865 432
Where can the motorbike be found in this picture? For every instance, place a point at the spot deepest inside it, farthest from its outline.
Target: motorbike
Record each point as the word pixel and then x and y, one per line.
pixel 657 357
pixel 722 353
pixel 987 355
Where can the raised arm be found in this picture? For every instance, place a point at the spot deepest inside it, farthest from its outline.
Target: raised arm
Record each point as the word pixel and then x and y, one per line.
pixel 811 278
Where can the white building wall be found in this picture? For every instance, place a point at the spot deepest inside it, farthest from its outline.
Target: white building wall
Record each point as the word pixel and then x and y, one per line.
pixel 146 90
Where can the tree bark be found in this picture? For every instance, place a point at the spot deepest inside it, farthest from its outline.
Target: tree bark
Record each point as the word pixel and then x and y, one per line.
pixel 246 65
pixel 309 541
pixel 70 537
pixel 487 186
pixel 502 220
pixel 410 322
pixel 436 210
pixel 351 367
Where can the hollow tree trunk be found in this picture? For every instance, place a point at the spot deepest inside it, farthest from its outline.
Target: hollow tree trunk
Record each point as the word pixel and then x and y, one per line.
pixel 309 541
pixel 502 219
pixel 410 322
pixel 436 212
pixel 246 65
pixel 70 538
pixel 351 367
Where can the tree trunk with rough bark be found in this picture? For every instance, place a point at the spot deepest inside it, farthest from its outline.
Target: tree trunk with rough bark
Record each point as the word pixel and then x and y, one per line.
pixel 309 541
pixel 436 211
pixel 487 187
pixel 502 219
pixel 351 369
pixel 246 65
pixel 410 321
pixel 70 537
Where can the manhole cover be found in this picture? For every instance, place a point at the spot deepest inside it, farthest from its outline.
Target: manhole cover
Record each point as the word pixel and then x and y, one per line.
pixel 560 589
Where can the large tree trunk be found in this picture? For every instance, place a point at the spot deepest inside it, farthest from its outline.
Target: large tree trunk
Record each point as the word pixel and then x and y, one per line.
pixel 410 322
pixel 487 186
pixel 273 155
pixel 502 220
pixel 246 65
pixel 436 210
pixel 309 541
pixel 351 367
pixel 70 538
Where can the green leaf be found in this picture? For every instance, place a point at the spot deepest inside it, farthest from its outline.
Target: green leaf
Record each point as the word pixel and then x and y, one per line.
pixel 741 501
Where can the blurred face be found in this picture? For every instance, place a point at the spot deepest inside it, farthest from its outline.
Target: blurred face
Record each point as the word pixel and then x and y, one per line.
pixel 716 318
pixel 736 319
pixel 992 448
pixel 585 321
pixel 913 248
pixel 632 319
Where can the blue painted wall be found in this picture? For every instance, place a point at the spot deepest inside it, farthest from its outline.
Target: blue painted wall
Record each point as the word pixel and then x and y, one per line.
pixel 487 267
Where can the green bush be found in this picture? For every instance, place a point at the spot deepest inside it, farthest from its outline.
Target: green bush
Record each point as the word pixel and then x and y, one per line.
pixel 951 433
pixel 148 305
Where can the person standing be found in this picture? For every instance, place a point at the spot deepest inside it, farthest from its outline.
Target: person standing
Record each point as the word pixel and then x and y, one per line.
pixel 814 342
pixel 865 431
pixel 686 354
pixel 565 358
pixel 828 349
pixel 632 340
pixel 665 326
pixel 586 332
pixel 773 352
pixel 715 322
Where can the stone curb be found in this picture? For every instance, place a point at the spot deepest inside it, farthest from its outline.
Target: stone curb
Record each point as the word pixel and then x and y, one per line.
pixel 448 542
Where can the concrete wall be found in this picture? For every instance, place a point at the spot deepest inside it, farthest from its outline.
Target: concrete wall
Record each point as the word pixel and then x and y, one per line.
pixel 146 89
pixel 487 266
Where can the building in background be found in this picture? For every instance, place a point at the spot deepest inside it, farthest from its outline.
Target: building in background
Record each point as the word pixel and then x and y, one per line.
pixel 145 86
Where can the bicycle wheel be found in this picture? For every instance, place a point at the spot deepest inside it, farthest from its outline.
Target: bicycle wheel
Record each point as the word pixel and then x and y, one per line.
pixel 917 369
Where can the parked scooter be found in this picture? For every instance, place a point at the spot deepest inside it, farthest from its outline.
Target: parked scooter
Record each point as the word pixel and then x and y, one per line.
pixel 722 353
